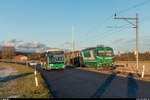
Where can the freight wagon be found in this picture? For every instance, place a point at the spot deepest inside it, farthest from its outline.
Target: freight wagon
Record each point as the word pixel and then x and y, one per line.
pixel 72 58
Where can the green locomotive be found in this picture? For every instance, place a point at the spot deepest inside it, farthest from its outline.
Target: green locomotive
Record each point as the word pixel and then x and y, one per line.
pixel 99 56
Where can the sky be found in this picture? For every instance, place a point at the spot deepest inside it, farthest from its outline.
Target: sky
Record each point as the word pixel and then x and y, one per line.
pixel 49 23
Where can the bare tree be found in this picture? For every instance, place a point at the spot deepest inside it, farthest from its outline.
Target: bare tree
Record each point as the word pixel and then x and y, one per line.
pixel 34 56
pixel 129 56
pixel 8 52
pixel 0 54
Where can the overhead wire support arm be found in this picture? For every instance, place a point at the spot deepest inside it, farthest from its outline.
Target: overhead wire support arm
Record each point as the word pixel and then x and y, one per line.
pixel 135 26
pixel 130 23
pixel 126 18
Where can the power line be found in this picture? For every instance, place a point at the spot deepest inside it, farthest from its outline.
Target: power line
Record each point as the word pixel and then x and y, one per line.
pixel 146 18
pixel 122 11
pixel 134 6
pixel 106 34
pixel 104 22
pixel 99 34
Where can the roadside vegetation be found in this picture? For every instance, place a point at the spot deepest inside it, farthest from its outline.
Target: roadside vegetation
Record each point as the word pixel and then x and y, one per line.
pixel 21 84
pixel 124 68
pixel 130 56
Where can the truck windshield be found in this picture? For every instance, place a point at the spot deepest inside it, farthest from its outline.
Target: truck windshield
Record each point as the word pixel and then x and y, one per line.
pixel 56 58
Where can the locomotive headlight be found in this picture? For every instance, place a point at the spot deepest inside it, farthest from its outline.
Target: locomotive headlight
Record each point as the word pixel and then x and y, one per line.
pixel 108 58
pixel 63 66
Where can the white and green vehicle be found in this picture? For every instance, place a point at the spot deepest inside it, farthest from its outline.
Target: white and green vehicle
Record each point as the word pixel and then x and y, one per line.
pixel 53 59
pixel 98 56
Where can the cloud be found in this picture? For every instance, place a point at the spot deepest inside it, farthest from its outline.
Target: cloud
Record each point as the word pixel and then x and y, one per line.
pixel 1 43
pixel 23 46
pixel 67 44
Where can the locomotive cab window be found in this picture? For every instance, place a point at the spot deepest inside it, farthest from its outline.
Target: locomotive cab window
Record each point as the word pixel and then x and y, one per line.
pixel 87 54
pixel 101 53
pixel 109 53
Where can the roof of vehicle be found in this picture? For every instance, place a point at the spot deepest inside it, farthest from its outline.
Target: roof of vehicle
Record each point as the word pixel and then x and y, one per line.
pixel 54 50
pixel 89 48
pixel 97 47
pixel 33 60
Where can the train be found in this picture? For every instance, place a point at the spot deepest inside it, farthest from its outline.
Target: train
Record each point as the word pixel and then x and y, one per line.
pixel 99 56
pixel 72 58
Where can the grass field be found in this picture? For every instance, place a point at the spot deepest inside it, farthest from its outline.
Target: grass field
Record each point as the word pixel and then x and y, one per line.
pixel 21 83
pixel 131 66
pixel 126 67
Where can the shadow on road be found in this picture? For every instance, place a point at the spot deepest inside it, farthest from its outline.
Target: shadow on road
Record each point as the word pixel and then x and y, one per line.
pixel 104 86
pixel 132 86
pixel 39 68
pixel 8 78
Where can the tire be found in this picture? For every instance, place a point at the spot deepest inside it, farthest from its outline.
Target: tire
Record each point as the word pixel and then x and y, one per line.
pixel 83 65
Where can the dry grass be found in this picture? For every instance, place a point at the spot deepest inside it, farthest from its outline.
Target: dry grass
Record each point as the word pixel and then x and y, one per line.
pixel 23 84
pixel 125 67
pixel 21 61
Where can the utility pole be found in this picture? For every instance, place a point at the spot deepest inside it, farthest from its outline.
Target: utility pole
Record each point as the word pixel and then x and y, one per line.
pixel 137 39
pixel 137 28
pixel 72 45
pixel 72 38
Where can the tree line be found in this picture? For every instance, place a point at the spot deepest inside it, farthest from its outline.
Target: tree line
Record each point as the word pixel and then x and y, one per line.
pixel 130 56
pixel 9 52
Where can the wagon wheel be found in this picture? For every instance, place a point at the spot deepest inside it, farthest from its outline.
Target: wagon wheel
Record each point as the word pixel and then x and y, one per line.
pixel 106 67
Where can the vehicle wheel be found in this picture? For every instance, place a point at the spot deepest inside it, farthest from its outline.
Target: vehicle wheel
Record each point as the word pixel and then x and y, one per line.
pixel 112 67
pixel 83 65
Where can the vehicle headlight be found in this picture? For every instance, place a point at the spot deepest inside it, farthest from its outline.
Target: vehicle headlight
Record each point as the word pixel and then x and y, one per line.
pixel 108 58
pixel 64 66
